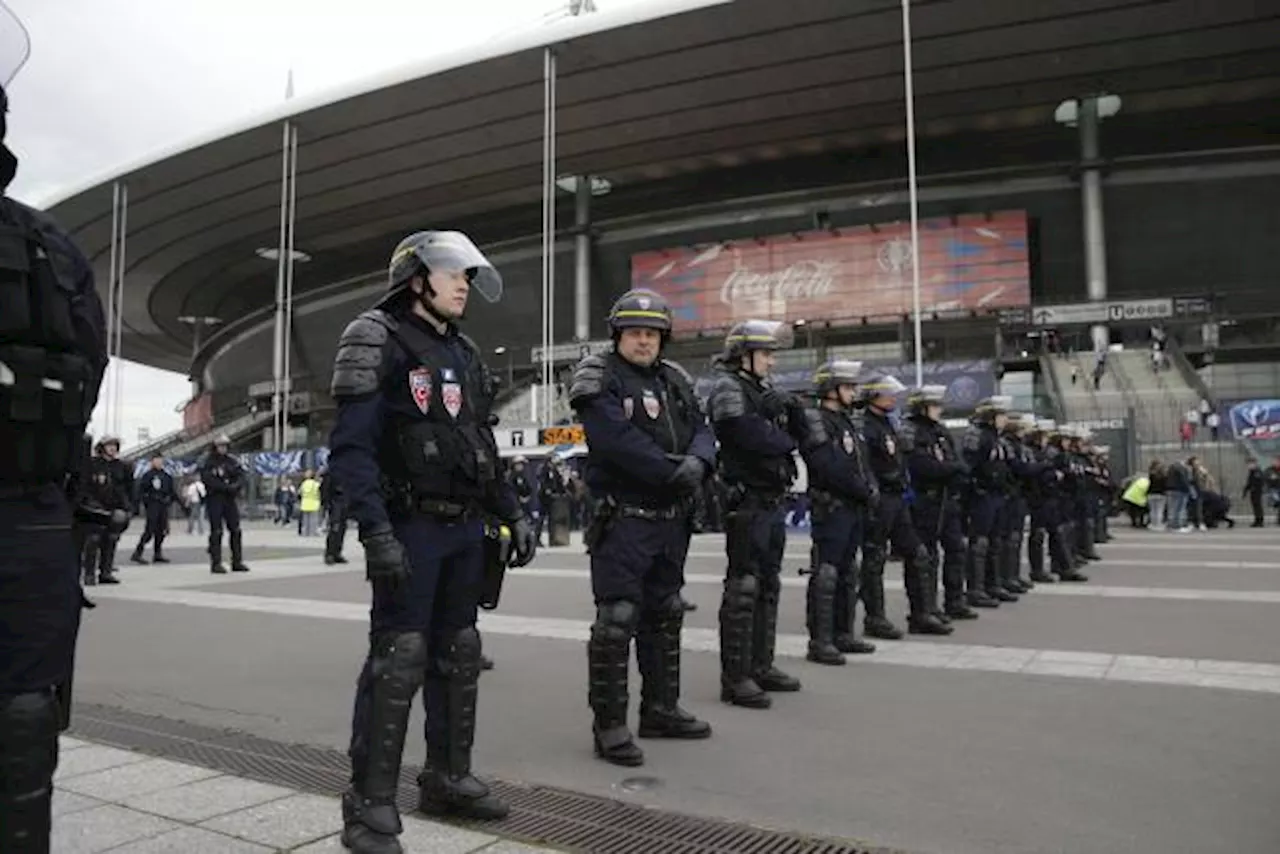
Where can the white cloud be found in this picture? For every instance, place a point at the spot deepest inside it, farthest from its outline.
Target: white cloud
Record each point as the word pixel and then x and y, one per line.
pixel 110 82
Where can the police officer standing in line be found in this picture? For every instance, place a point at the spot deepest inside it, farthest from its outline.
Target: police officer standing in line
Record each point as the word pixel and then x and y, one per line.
pixel 335 506
pixel 109 487
pixel 939 479
pixel 891 523
pixel 53 349
pixel 1062 551
pixel 413 451
pixel 223 478
pixel 1085 498
pixel 1040 493
pixel 757 426
pixel 1033 477
pixel 155 494
pixel 1014 515
pixel 989 476
pixel 649 451
pixel 841 489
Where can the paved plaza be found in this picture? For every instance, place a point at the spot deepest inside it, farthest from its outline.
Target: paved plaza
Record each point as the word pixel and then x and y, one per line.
pixel 1138 713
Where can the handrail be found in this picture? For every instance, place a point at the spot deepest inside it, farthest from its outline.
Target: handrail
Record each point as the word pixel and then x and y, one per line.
pixel 1189 373
pixel 1086 376
pixel 1132 401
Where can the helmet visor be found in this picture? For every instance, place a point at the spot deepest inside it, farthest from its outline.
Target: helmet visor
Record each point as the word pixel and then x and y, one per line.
pixel 15 45
pixel 453 252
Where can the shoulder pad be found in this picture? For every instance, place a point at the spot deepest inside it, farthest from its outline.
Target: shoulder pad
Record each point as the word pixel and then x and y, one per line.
pixel 678 369
pixel 357 369
pixel 907 432
pixel 726 400
pixel 815 428
pixel 588 380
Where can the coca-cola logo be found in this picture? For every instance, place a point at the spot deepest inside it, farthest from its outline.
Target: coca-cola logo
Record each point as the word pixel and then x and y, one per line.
pixel 804 280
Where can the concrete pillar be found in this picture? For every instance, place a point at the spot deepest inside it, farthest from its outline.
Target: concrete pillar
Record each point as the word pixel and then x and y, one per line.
pixel 582 259
pixel 1095 246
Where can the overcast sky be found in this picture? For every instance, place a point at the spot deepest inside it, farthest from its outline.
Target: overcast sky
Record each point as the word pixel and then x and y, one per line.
pixel 112 81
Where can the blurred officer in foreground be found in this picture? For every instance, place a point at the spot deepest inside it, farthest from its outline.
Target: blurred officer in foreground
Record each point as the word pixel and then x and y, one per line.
pixel 649 451
pixel 108 487
pixel 414 454
pixel 757 426
pixel 940 480
pixel 223 478
pixel 52 358
pixel 841 489
pixel 891 523
pixel 155 494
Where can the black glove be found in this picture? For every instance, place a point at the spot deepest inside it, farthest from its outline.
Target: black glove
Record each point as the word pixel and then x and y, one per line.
pixel 873 499
pixel 689 474
pixel 524 543
pixel 774 402
pixel 384 556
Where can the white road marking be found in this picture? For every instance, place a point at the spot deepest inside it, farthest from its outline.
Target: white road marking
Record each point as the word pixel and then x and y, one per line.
pixel 1204 673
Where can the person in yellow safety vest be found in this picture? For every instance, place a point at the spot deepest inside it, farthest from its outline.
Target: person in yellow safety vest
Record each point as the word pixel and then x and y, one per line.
pixel 308 503
pixel 1135 500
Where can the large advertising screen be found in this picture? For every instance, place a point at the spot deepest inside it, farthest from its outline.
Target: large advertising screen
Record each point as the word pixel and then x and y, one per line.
pixel 969 262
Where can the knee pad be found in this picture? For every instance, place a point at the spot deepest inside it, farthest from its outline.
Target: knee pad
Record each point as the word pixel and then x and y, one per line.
pixel 29 741
pixel 400 657
pixel 459 650
pixel 615 622
pixel 824 579
pixel 670 608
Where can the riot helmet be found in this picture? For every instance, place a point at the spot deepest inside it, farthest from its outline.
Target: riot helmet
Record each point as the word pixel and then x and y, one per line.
pixel 106 442
pixel 640 309
pixel 222 440
pixel 881 391
pixel 428 254
pixel 15 48
pixel 749 337
pixel 923 399
pixel 834 375
pixel 993 410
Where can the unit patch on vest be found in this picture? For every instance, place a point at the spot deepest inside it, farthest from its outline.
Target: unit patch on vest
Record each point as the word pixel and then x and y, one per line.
pixel 420 388
pixel 652 406
pixel 847 441
pixel 451 394
pixel 890 446
pixel 628 407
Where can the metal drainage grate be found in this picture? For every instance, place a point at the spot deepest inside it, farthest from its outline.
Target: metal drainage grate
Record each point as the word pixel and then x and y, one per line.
pixel 539 814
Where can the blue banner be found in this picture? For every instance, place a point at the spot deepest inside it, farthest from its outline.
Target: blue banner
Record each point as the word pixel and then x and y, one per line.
pixel 1255 420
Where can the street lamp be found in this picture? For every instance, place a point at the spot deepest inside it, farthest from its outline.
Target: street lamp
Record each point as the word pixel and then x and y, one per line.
pixel 511 368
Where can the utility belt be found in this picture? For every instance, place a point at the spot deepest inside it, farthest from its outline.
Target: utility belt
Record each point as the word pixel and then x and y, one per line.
pixel 741 497
pixel 448 510
pixel 607 510
pixel 827 500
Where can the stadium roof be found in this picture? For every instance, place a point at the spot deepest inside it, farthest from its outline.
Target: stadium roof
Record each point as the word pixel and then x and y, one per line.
pixel 648 95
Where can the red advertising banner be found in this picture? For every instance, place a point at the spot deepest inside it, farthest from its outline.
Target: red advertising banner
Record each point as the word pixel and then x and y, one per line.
pixel 971 262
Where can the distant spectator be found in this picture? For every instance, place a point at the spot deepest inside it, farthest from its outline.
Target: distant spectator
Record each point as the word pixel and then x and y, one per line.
pixel 1187 432
pixel 1075 374
pixel 1215 422
pixel 1205 408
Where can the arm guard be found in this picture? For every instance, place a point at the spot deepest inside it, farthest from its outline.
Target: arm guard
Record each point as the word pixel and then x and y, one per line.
pixel 588 381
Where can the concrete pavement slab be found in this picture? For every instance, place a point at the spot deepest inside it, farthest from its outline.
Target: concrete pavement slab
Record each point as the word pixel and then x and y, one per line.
pixel 205 799
pixel 192 840
pixel 105 827
pixel 284 823
pixel 136 778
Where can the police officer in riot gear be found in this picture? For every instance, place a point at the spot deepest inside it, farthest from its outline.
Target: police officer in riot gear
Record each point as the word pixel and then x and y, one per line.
pixel 223 478
pixel 109 487
pixel 1084 498
pixel 649 452
pixel 989 479
pixel 52 358
pixel 939 479
pixel 413 451
pixel 1013 516
pixel 841 489
pixel 891 523
pixel 757 426
pixel 1065 562
pixel 155 495
pixel 1040 502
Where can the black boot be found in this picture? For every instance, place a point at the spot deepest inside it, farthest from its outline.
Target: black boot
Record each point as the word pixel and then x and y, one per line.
pixel 1064 560
pixel 390 680
pixel 137 557
pixel 976 566
pixel 1012 565
pixel 237 552
pixel 737 615
pixel 954 604
pixel 875 624
pixel 820 617
pixel 1035 556
pixel 608 656
pixel 28 756
pixel 158 554
pixel 846 610
pixel 922 595
pixel 1089 543
pixel 993 572
pixel 764 640
pixel 447 785
pixel 658 655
